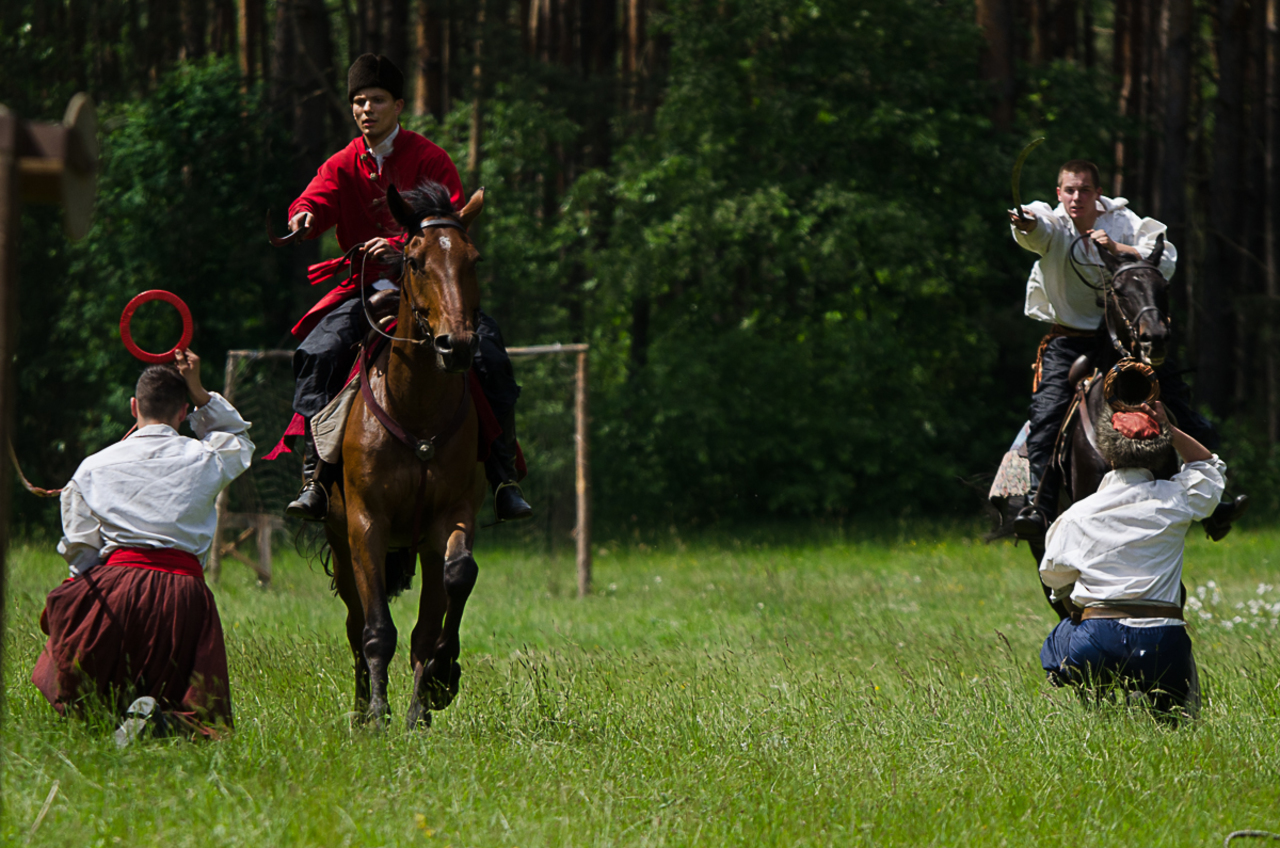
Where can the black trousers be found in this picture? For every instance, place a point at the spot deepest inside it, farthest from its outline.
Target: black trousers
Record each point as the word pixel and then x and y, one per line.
pixel 1049 403
pixel 323 361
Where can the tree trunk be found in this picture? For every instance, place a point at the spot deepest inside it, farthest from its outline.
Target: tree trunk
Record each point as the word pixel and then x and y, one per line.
pixel 477 94
pixel 428 98
pixel 1178 19
pixel 250 38
pixel 1222 260
pixel 194 25
pixel 995 18
pixel 395 31
pixel 1271 337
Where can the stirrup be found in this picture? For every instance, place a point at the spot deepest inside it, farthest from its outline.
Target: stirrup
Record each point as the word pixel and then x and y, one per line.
pixel 512 506
pixel 1030 523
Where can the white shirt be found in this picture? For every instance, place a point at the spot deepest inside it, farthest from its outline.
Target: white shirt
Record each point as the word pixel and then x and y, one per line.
pixel 1054 293
pixel 155 489
pixel 384 148
pixel 1124 542
pixel 380 153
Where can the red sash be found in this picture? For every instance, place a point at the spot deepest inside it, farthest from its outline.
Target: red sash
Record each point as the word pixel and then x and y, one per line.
pixel 167 560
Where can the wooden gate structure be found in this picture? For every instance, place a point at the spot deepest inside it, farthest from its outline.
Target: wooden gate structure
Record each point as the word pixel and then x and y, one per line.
pixel 40 163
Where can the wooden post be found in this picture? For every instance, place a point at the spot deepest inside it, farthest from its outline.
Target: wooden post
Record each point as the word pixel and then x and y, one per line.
pixel 10 220
pixel 215 551
pixel 582 465
pixel 39 163
pixel 582 477
pixel 265 526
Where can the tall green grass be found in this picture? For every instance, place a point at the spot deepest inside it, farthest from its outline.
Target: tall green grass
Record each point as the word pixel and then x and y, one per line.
pixel 833 693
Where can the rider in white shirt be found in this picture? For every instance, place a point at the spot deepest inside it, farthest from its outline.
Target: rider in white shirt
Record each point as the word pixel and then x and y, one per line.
pixel 1058 296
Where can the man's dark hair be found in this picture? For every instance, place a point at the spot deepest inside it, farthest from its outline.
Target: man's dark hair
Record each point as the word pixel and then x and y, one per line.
pixel 161 392
pixel 1081 166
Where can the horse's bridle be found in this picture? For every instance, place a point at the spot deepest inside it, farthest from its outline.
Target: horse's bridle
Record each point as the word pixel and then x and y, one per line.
pixel 1111 297
pixel 419 315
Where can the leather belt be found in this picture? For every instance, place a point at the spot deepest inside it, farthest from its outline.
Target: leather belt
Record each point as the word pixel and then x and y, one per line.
pixel 1132 611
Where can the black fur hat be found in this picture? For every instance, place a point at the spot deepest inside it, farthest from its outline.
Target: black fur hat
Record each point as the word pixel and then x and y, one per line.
pixel 372 71
pixel 1155 453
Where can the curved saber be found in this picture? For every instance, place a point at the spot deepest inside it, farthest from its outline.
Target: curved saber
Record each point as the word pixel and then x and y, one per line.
pixel 282 241
pixel 1016 182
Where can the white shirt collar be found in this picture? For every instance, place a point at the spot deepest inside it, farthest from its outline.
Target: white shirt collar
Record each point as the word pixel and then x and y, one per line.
pixel 383 150
pixel 155 430
pixel 1126 477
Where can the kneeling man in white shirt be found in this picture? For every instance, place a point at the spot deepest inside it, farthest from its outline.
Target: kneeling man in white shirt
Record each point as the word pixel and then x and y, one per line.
pixel 1117 556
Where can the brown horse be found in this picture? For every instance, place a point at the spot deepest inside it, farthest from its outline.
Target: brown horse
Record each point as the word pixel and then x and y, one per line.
pixel 411 485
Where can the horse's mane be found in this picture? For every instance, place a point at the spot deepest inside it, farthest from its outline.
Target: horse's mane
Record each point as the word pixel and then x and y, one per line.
pixel 429 200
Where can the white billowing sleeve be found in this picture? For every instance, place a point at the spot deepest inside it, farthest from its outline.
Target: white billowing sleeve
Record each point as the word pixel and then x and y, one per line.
pixel 1146 231
pixel 1202 484
pixel 1056 572
pixel 1040 239
pixel 81 532
pixel 224 433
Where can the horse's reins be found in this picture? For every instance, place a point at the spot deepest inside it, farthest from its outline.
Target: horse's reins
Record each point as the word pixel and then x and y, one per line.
pixel 424 449
pixel 424 324
pixel 1110 296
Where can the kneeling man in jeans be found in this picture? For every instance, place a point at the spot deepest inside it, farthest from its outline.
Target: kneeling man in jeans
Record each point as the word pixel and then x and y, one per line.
pixel 1117 554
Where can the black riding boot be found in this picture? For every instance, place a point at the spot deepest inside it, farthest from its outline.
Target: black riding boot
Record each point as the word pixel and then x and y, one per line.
pixel 1033 520
pixel 312 503
pixel 508 501
pixel 1218 525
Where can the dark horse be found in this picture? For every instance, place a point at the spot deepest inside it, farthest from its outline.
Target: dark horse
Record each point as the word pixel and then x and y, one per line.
pixel 1135 297
pixel 411 482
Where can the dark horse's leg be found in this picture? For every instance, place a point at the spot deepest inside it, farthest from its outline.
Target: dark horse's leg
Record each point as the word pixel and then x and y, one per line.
pixel 344 581
pixel 435 641
pixel 367 539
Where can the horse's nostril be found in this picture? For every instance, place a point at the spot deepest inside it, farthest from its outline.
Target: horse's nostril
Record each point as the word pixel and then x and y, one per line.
pixel 444 344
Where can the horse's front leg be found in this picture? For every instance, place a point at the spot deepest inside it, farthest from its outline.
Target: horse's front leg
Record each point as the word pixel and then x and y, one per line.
pixel 437 685
pixel 344 582
pixel 368 542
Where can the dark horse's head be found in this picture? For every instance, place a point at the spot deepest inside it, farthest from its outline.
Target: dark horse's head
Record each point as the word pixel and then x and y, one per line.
pixel 1137 304
pixel 439 289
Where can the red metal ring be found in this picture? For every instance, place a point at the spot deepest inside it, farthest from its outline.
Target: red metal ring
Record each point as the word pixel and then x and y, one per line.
pixel 127 317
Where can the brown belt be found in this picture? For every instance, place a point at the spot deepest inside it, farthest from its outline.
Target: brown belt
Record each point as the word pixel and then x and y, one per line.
pixel 1055 330
pixel 1132 611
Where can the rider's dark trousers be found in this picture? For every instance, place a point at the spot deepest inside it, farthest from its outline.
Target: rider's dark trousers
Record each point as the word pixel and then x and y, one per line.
pixel 1049 403
pixel 323 361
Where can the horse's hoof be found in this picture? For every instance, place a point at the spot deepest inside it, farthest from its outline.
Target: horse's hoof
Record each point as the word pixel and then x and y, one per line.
pixel 378 716
pixel 418 717
pixel 441 692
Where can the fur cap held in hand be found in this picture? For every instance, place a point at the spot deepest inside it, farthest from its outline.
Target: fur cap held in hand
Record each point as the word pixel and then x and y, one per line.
pixel 373 71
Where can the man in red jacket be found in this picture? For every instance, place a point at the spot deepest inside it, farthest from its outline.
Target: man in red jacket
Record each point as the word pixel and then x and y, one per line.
pixel 350 192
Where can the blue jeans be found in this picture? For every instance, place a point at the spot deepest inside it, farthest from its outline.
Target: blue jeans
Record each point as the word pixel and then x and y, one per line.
pixel 1101 650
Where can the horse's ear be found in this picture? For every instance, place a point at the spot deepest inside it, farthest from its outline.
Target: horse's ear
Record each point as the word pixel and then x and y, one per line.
pixel 402 212
pixel 473 208
pixel 1110 260
pixel 1157 251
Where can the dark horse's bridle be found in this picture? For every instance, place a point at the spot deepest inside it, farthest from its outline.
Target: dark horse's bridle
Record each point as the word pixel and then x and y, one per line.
pixel 1110 297
pixel 420 316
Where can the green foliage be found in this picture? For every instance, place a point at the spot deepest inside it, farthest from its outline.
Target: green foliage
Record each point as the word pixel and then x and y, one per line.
pixel 794 222
pixel 186 176
pixel 836 692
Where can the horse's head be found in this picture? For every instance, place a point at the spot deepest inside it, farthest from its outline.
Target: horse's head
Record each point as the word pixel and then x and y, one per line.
pixel 1137 304
pixel 440 296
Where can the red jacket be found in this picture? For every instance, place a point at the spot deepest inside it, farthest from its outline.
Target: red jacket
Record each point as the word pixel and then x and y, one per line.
pixel 349 193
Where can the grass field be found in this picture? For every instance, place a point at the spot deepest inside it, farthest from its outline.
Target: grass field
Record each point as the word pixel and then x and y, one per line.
pixel 710 693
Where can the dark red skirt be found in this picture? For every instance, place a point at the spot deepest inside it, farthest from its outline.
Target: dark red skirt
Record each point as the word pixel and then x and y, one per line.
pixel 119 632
